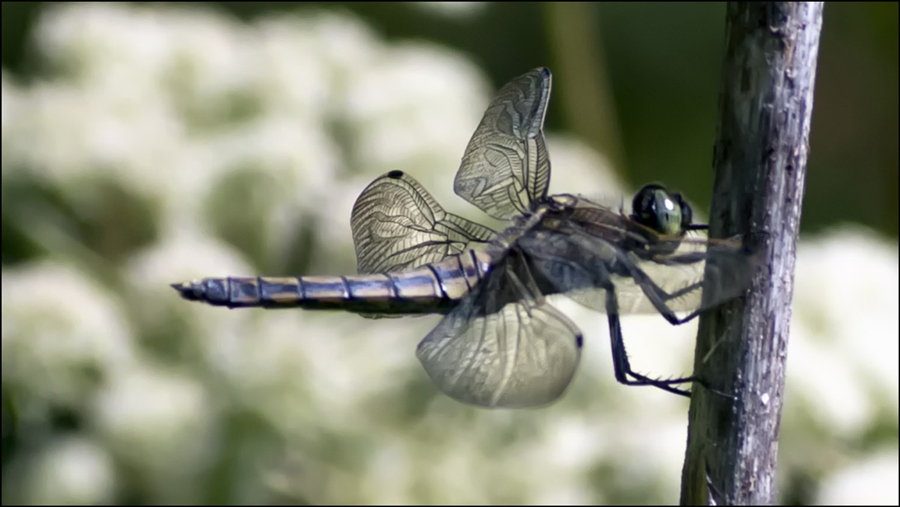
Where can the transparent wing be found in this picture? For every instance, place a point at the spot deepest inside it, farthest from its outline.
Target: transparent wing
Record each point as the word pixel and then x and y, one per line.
pixel 503 346
pixel 693 274
pixel 398 225
pixel 505 166
pixel 700 274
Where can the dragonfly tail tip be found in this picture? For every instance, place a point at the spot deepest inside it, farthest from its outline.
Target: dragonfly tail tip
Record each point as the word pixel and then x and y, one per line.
pixel 186 290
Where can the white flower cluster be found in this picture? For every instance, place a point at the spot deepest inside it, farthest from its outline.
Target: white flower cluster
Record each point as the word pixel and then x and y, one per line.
pixel 248 143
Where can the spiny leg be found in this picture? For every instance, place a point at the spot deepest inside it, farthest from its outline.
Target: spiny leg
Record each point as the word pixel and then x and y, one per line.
pixel 621 365
pixel 657 296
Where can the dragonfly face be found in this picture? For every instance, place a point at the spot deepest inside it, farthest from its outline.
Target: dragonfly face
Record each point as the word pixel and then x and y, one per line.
pixel 500 342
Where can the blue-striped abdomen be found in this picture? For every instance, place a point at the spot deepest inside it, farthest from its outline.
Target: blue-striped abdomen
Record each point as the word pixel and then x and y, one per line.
pixel 434 288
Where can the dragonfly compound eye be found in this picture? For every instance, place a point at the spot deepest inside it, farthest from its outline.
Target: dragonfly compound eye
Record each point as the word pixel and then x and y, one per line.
pixel 687 214
pixel 661 211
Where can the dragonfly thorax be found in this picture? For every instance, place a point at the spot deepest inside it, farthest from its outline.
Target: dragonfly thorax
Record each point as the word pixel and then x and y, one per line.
pixel 560 202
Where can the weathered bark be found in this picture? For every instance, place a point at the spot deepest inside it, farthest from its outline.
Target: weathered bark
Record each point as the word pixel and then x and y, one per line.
pixel 765 110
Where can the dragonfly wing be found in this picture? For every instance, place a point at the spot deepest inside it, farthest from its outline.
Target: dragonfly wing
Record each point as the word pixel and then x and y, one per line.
pixel 398 225
pixel 700 274
pixel 502 347
pixel 505 166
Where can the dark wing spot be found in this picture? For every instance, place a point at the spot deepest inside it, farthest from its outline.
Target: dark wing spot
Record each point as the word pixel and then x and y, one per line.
pixel 395 175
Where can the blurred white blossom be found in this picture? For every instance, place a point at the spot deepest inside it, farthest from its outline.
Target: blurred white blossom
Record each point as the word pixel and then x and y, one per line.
pixel 461 10
pixel 238 138
pixel 871 481
pixel 63 336
pixel 71 471
pixel 11 100
pixel 843 353
pixel 162 425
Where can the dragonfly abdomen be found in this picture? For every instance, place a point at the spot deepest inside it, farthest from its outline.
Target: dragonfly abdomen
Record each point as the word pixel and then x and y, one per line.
pixel 433 288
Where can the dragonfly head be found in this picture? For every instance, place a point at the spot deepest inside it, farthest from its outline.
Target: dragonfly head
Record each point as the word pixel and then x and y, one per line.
pixel 662 211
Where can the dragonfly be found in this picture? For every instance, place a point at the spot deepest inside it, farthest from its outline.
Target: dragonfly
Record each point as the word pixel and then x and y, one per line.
pixel 501 343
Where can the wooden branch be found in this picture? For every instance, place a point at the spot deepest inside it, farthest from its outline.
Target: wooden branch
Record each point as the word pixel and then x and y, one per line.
pixel 765 110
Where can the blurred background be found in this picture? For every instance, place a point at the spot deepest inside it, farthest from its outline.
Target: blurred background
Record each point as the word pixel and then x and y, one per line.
pixel 149 144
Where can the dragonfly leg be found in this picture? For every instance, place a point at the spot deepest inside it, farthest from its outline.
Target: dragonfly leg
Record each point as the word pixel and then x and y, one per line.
pixel 657 296
pixel 650 288
pixel 622 366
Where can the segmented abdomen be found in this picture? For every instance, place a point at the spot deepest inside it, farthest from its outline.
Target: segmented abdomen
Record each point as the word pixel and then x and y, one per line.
pixel 434 288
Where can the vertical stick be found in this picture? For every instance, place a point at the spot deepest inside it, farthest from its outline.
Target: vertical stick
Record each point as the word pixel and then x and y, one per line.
pixel 765 110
